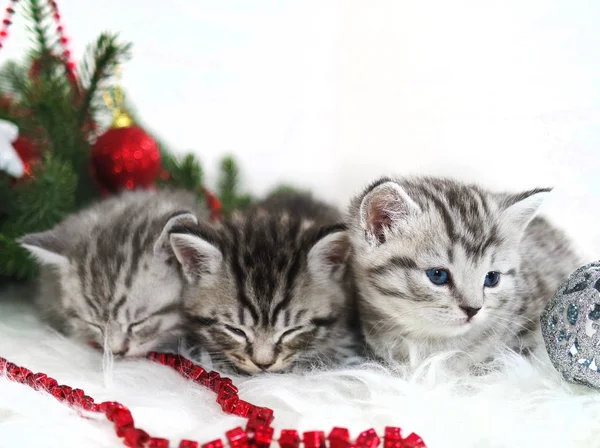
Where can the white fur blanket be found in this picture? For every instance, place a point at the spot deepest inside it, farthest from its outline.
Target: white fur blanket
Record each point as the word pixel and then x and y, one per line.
pixel 524 404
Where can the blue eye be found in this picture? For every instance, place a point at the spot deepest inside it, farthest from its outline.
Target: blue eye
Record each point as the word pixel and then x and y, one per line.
pixel 438 276
pixel 491 279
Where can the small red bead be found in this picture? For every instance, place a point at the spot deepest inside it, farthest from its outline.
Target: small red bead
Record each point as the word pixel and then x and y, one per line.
pixel 60 28
pixel 3 33
pixel 20 374
pixel 185 366
pixel 264 414
pixel 111 408
pixel 368 439
pixel 242 408
pixel 49 383
pixel 171 360
pixel 314 439
pixel 263 436
pixel 158 443
pixel 78 392
pixel 214 444
pixel 6 22
pixel 122 430
pixel 196 373
pixel 66 389
pixel 121 417
pixel 56 16
pixel 3 363
pixel 87 403
pixel 57 393
pixel 413 441
pixel 213 380
pixel 289 438
pixel 36 380
pixel 339 438
pixel 228 404
pixel 158 357
pixel 237 438
pixel 392 437
pixel 188 444
pixel 135 438
pixel 10 10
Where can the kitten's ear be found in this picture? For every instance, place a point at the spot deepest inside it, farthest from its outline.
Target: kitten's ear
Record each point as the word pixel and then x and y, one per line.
pixel 200 258
pixel 385 208
pixel 47 247
pixel 520 209
pixel 162 244
pixel 329 255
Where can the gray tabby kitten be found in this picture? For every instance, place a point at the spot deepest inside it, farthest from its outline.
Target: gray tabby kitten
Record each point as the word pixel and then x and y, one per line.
pixel 271 289
pixel 109 275
pixel 443 265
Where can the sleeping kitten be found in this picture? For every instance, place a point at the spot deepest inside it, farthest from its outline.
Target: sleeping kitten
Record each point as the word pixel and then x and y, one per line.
pixel 271 289
pixel 441 265
pixel 109 274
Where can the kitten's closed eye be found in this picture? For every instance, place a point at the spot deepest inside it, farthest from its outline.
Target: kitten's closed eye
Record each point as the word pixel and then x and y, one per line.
pixel 288 333
pixel 90 325
pixel 236 331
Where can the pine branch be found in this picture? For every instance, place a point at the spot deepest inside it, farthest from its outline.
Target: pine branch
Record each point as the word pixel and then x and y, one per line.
pixel 14 80
pixel 48 198
pixel 39 12
pixel 228 184
pixel 37 204
pixel 99 64
pixel 186 173
pixel 285 189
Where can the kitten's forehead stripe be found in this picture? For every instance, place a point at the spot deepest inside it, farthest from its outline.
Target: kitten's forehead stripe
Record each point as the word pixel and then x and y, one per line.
pixel 118 305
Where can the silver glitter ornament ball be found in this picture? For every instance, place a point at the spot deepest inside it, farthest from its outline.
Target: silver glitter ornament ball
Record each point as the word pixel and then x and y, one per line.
pixel 570 327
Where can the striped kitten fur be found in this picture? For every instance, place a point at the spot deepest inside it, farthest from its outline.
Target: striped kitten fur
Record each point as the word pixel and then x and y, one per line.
pixel 445 266
pixel 271 289
pixel 109 275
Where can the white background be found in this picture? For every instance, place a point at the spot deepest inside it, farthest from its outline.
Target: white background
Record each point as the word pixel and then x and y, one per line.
pixel 330 94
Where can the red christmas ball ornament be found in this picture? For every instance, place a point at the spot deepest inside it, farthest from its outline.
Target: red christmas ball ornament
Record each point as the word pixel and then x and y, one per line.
pixel 29 154
pixel 125 157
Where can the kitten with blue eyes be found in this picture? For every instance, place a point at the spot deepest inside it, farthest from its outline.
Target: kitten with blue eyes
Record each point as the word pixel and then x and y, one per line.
pixel 270 289
pixel 444 266
pixel 108 273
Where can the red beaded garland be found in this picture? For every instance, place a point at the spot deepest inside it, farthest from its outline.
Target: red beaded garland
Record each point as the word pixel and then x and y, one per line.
pixel 7 21
pixel 258 432
pixel 66 53
pixel 70 64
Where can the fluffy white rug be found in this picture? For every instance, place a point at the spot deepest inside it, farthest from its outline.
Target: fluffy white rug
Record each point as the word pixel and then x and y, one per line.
pixel 525 404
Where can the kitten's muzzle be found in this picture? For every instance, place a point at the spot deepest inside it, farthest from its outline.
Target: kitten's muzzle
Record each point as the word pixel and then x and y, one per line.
pixel 263 367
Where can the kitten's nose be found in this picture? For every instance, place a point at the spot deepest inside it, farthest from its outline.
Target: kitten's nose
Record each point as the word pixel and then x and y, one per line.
pixel 263 367
pixel 120 350
pixel 470 311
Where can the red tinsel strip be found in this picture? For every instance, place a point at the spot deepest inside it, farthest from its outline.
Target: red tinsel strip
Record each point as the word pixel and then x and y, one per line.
pixel 258 432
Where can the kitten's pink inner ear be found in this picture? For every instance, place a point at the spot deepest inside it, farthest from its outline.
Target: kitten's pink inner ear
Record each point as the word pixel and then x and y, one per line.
pixel 379 219
pixel 386 208
pixel 339 251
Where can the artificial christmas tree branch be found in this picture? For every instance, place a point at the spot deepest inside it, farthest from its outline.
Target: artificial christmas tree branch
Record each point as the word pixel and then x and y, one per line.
pixel 57 115
pixel 99 64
